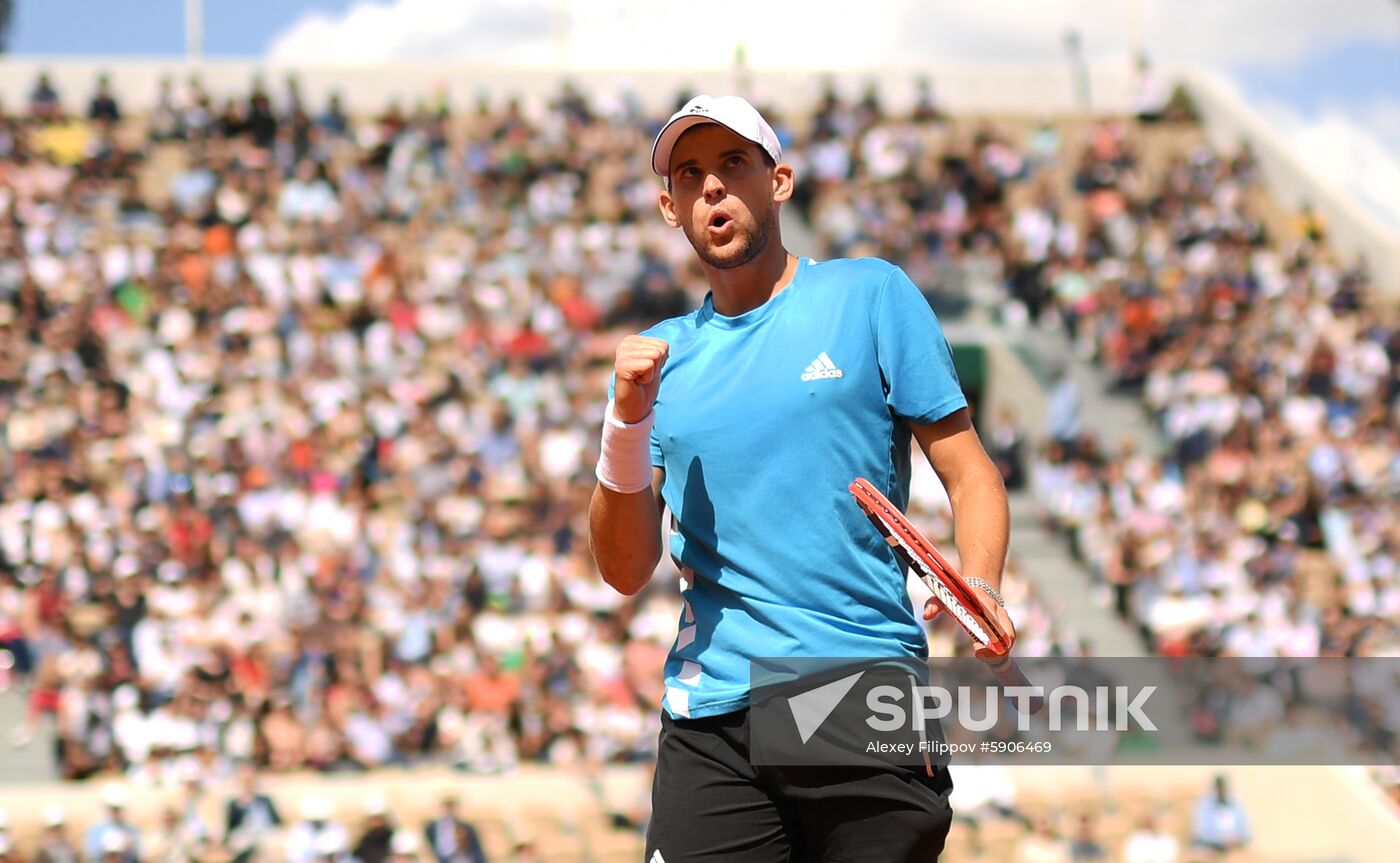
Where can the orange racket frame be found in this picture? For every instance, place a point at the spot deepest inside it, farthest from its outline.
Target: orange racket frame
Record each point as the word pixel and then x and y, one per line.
pixel 950 591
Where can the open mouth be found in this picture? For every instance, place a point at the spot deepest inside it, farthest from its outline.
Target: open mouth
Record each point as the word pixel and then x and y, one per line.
pixel 719 220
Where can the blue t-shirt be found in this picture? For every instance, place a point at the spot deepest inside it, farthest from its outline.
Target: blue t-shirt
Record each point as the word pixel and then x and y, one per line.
pixel 762 422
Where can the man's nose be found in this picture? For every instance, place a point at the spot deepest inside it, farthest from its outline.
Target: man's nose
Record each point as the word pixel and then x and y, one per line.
pixel 714 188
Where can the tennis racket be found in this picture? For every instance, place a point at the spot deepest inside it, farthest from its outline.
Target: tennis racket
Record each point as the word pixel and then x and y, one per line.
pixel 951 592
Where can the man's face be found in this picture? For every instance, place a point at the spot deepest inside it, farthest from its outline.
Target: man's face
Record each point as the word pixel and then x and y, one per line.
pixel 723 195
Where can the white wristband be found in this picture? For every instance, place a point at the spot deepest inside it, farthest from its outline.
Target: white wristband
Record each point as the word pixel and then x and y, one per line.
pixel 624 465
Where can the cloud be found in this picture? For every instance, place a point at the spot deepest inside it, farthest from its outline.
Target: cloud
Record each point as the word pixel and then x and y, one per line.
pixel 821 34
pixel 1352 152
pixel 1188 31
pixel 1382 118
pixel 491 32
pixel 579 34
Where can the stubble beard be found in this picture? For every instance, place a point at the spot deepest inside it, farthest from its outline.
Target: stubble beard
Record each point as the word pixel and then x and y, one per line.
pixel 751 245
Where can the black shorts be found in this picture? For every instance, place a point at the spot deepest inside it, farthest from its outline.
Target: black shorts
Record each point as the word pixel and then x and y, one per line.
pixel 710 804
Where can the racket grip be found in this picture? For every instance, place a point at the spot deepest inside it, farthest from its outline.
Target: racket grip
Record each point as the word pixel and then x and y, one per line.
pixel 1009 674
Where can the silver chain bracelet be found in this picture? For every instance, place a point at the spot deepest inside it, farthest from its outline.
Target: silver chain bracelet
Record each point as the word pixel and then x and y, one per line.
pixel 986 585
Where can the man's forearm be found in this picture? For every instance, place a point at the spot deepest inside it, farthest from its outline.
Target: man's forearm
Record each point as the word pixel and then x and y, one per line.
pixel 981 524
pixel 624 533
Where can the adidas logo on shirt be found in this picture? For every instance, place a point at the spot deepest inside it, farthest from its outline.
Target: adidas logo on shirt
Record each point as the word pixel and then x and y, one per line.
pixel 821 368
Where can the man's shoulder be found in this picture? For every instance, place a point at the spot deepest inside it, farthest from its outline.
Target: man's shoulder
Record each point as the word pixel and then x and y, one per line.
pixel 860 280
pixel 671 329
pixel 872 269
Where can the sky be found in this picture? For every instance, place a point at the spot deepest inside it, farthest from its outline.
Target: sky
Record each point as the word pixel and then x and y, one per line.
pixel 1326 71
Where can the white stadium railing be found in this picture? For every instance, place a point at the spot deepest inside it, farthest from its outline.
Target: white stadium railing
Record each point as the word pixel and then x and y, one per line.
pixel 1293 180
pixel 1031 89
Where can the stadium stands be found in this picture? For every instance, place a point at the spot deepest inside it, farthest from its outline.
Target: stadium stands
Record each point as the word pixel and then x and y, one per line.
pixel 299 415
pixel 1269 528
pixel 312 493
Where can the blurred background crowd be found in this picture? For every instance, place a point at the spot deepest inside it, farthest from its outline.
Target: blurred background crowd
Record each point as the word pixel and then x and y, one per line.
pixel 300 421
pixel 298 411
pixel 1269 527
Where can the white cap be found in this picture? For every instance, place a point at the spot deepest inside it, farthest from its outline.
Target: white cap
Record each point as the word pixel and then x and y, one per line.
pixel 328 842
pixel 316 809
pixel 114 842
pixel 375 804
pixel 403 842
pixel 732 112
pixel 125 566
pixel 126 697
pixel 5 846
pixel 54 815
pixel 115 795
pixel 189 770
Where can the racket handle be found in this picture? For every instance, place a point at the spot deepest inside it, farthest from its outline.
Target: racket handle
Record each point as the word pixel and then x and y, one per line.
pixel 1009 674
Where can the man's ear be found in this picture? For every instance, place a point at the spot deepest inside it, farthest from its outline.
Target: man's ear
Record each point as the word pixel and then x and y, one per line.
pixel 783 182
pixel 667 205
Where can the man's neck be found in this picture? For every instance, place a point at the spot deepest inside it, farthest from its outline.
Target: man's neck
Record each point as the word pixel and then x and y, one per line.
pixel 745 288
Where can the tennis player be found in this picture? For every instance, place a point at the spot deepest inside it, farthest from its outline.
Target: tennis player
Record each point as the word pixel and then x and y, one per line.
pixel 749 418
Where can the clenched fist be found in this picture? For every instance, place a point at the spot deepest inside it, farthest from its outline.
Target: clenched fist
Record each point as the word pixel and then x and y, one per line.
pixel 638 367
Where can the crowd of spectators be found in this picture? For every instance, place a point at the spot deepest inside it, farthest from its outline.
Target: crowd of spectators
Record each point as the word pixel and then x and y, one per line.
pixel 249 825
pixel 1219 826
pixel 299 415
pixel 1269 526
pixel 1208 827
pixel 299 409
